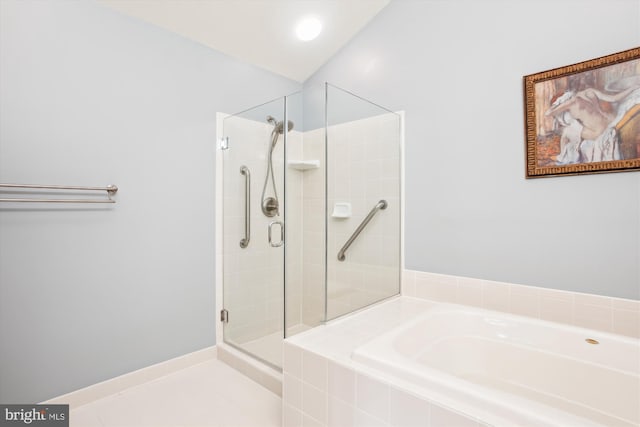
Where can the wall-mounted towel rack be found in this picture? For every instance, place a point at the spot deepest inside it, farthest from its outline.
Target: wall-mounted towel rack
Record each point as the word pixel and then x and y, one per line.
pixel 110 189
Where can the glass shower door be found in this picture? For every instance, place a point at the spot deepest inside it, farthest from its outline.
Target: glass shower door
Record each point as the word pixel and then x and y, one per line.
pixel 253 230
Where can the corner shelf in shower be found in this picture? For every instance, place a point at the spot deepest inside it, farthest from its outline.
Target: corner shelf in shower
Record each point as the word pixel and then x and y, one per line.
pixel 303 165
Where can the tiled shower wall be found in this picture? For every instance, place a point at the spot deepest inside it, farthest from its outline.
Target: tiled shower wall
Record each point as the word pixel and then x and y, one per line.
pixel 313 209
pixel 294 235
pixel 363 168
pixel 253 275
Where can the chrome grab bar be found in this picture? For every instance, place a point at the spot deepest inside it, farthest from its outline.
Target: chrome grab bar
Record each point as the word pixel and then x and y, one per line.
pixel 110 189
pixel 382 204
pixel 247 207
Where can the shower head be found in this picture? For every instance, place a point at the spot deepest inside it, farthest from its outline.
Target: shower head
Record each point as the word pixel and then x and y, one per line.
pixel 279 126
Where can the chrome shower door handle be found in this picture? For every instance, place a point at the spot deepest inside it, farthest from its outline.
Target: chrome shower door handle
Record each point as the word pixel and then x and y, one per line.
pixel 244 242
pixel 281 242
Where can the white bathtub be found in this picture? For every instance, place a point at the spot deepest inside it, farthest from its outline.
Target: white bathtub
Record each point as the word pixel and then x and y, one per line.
pixel 523 371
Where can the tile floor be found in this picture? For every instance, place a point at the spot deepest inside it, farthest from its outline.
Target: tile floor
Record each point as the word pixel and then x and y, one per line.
pixel 210 394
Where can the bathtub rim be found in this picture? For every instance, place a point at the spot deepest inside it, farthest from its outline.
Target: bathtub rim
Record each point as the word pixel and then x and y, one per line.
pixel 443 381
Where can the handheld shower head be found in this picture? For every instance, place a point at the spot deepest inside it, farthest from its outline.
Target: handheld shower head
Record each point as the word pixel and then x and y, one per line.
pixel 270 204
pixel 279 126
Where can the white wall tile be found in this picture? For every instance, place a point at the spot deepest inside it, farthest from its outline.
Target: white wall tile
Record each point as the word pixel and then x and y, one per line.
pixel 292 391
pixel 341 414
pixel 356 168
pixel 469 291
pixel 597 300
pixel 524 301
pixel 292 360
pixel 408 410
pixel 372 396
pixel 556 310
pixel 308 421
pixel 314 370
pixel 436 287
pixel 291 417
pixel 585 310
pixel 342 383
pixel 593 317
pixel 314 403
pixel 441 417
pixel 363 419
pixel 626 322
pixel 626 304
pixel 495 296
pixel 259 311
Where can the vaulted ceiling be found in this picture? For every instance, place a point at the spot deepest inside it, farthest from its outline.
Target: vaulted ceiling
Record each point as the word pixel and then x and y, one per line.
pixel 261 32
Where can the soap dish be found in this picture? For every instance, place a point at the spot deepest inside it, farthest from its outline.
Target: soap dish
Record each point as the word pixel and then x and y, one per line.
pixel 341 210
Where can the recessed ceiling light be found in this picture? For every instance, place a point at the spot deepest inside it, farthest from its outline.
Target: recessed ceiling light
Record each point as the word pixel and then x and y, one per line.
pixel 308 28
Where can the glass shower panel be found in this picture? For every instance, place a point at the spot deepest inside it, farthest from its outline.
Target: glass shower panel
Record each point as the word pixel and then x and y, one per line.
pixel 293 253
pixel 362 202
pixel 304 288
pixel 253 230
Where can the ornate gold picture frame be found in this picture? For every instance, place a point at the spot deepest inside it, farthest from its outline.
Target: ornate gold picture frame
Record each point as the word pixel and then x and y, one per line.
pixel 584 118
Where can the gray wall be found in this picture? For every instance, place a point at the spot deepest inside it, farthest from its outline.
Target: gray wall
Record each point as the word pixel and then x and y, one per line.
pixel 89 97
pixel 456 68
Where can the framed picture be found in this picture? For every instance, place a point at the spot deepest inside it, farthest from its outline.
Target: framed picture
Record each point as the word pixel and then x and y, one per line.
pixel 584 118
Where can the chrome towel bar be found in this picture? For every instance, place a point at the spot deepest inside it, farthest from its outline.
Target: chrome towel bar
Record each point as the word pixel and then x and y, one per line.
pixel 382 204
pixel 110 189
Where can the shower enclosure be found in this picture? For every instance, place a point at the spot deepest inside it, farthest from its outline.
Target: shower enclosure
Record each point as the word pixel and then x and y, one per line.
pixel 310 215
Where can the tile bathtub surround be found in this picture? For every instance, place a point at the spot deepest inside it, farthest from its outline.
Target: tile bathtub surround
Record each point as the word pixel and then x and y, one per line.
pixel 360 400
pixel 607 314
pixel 323 387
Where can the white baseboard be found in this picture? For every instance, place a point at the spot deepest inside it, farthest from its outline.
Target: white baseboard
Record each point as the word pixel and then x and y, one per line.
pixel 120 383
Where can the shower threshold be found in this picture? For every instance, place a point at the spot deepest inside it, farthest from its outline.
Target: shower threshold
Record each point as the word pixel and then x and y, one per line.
pixel 269 347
